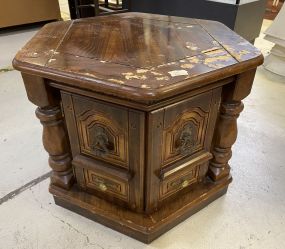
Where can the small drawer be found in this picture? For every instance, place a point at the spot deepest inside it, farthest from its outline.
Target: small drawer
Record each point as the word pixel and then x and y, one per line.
pixel 172 185
pixel 96 177
pixel 102 183
pixel 175 179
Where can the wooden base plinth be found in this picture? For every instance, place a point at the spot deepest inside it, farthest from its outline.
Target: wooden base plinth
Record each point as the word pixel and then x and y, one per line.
pixel 142 227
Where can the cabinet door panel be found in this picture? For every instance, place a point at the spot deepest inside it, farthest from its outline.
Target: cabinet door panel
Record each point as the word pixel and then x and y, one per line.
pixel 102 131
pixel 179 141
pixel 185 125
pixel 107 143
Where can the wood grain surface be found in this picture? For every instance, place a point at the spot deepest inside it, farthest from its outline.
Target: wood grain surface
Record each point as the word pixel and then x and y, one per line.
pixel 142 57
pixel 139 114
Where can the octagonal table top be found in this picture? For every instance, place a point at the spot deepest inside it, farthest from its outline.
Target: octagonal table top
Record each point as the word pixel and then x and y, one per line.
pixel 142 57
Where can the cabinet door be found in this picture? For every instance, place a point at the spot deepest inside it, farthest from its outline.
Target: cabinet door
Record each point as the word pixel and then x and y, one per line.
pixel 179 141
pixel 102 131
pixel 107 144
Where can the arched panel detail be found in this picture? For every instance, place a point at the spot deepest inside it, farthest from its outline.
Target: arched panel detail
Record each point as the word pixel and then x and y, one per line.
pixel 102 138
pixel 185 136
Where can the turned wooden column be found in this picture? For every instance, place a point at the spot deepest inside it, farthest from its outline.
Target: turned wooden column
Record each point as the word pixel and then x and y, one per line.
pixel 226 127
pixel 225 137
pixel 55 139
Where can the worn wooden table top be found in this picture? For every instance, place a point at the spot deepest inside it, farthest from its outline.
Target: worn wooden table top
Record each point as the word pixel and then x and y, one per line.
pixel 137 56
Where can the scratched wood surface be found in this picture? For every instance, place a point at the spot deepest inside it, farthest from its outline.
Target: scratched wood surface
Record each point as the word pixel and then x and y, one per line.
pixel 150 106
pixel 140 56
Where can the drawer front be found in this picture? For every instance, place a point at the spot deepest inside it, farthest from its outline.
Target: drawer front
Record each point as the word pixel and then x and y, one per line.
pixel 177 182
pixel 102 131
pixel 107 185
pixel 97 178
pixel 175 179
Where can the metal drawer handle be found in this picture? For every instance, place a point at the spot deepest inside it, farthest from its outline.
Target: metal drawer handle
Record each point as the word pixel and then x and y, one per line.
pixel 185 183
pixel 103 187
pixel 100 141
pixel 186 140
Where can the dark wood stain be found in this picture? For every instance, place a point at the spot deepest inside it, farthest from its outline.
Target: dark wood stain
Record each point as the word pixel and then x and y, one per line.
pixel 139 56
pixel 139 114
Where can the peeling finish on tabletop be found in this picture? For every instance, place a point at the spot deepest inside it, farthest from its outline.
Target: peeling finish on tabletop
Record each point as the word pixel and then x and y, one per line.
pixel 143 51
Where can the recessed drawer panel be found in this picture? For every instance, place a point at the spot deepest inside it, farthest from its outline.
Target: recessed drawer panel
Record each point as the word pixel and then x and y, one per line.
pixel 99 178
pixel 175 179
pixel 108 185
pixel 174 184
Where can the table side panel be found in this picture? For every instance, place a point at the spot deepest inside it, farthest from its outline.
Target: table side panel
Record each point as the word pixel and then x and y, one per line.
pixel 179 141
pixel 107 138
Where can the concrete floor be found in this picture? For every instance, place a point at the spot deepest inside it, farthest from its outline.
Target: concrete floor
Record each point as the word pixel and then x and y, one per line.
pixel 251 215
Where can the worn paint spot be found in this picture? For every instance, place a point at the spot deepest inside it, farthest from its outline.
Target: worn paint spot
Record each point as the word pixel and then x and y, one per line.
pixel 187 66
pixel 117 81
pixel 156 73
pixel 56 52
pixel 215 43
pixel 216 65
pixel 170 63
pixel 142 77
pixel 131 75
pixel 191 46
pixel 194 60
pixel 244 43
pixel 216 59
pixel 243 52
pixel 90 74
pixel 175 73
pixel 182 61
pixel 237 54
pixel 32 55
pixel 189 26
pixel 162 78
pixel 142 70
pixel 103 61
pixel 145 86
pixel 51 60
pixel 166 64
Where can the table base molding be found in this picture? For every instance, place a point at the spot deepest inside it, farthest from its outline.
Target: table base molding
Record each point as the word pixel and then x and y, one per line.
pixel 142 227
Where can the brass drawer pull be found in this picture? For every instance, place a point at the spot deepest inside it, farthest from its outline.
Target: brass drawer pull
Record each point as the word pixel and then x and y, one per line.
pixel 103 187
pixel 185 183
